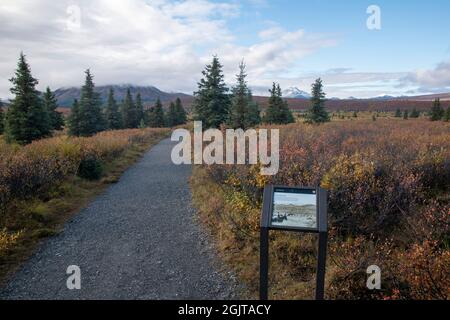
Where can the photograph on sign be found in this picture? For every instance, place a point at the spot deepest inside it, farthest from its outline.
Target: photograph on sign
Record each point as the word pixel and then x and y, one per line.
pixel 294 208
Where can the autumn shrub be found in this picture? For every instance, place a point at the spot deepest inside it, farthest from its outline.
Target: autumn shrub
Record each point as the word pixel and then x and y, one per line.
pixel 90 168
pixel 32 170
pixel 7 240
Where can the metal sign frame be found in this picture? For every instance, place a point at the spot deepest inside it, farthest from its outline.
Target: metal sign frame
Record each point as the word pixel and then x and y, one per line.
pixel 266 225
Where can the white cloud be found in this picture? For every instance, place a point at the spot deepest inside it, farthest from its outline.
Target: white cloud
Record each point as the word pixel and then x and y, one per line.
pixel 342 83
pixel 439 77
pixel 159 42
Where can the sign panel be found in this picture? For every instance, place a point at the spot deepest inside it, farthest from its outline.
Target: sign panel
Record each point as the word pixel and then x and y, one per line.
pixel 294 208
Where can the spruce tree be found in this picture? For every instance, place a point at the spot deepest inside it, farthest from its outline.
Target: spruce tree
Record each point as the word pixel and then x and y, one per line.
pixel 74 119
pixel 405 115
pixel 91 118
pixel 139 109
pixel 156 115
pixel 244 113
pixel 414 113
pixel 51 103
pixel 437 112
pixel 181 113
pixel 27 119
pixel 142 124
pixel 113 115
pixel 447 115
pixel 211 102
pixel 272 111
pixel 285 114
pixel 2 118
pixel 239 100
pixel 171 118
pixel 254 114
pixel 129 111
pixel 317 112
pixel 398 113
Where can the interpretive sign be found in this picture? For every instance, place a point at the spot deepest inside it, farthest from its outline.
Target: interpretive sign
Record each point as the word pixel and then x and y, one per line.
pixel 294 208
pixel 298 209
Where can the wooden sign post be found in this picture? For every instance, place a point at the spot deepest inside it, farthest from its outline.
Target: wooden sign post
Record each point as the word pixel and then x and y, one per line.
pixel 295 209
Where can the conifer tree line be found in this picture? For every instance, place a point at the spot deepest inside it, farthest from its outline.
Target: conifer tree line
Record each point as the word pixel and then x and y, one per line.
pixel 32 115
pixel 438 113
pixel 406 114
pixel 88 118
pixel 215 106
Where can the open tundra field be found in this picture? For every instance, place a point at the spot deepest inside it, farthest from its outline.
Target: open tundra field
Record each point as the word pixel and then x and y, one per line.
pixel 389 205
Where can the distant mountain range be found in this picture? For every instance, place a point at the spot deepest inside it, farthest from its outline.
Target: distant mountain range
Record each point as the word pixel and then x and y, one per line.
pixel 149 94
pixel 382 103
pixel 297 99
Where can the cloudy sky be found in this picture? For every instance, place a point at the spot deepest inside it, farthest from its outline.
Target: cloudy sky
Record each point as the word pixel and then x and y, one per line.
pixel 167 43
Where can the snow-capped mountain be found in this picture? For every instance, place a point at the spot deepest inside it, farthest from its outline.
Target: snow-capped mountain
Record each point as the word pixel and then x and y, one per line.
pixel 294 92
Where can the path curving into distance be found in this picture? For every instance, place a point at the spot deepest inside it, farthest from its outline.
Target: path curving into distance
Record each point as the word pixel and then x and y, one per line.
pixel 138 240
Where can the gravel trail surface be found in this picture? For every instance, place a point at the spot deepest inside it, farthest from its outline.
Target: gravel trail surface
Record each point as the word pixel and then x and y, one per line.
pixel 138 240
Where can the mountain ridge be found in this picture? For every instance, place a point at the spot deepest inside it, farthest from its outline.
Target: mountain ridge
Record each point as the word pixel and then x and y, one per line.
pixel 149 94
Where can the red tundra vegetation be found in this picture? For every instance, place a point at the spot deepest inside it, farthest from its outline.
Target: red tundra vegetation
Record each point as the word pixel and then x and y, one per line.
pixel 388 184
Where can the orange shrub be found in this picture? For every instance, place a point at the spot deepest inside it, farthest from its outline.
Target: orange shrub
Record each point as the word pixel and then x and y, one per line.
pixel 383 178
pixel 33 169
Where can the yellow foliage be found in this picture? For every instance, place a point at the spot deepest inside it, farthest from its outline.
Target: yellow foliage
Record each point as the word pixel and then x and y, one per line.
pixel 7 240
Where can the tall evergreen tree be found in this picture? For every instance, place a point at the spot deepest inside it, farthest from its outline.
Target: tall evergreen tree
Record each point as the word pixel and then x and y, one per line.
pixel 139 109
pixel 91 118
pixel 272 111
pixel 171 118
pixel 317 112
pixel 398 113
pixel 285 113
pixel 2 118
pixel 447 115
pixel 74 119
pixel 129 111
pixel 405 115
pixel 254 114
pixel 27 119
pixel 212 102
pixel 437 112
pixel 244 112
pixel 156 115
pixel 113 115
pixel 181 113
pixel 51 103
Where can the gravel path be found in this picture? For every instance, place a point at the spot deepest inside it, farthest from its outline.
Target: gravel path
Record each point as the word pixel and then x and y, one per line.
pixel 138 240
